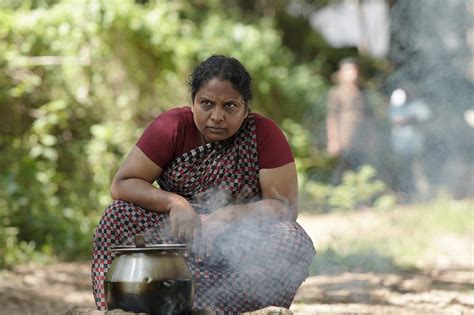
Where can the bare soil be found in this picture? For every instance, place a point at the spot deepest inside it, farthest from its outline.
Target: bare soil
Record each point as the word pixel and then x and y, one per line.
pixel 445 287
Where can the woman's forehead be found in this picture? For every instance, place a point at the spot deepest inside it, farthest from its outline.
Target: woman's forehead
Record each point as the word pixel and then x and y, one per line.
pixel 218 86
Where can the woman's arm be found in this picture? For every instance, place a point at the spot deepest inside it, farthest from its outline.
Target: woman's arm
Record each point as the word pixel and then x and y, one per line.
pixel 281 184
pixel 279 197
pixel 133 183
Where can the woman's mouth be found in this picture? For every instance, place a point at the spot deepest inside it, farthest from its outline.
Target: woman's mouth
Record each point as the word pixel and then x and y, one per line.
pixel 216 129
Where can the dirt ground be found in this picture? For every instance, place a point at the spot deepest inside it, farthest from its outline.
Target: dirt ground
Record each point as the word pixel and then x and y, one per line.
pixel 444 288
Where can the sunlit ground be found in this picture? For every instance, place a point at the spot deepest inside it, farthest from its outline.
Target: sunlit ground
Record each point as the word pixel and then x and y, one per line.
pixel 407 260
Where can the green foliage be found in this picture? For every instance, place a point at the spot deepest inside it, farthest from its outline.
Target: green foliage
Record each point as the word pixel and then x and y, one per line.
pixel 310 160
pixel 358 189
pixel 79 80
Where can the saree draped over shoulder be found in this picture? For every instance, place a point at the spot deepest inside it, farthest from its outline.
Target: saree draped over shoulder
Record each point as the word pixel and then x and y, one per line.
pixel 252 265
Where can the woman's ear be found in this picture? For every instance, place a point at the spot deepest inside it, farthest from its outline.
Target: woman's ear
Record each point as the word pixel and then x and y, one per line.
pixel 192 108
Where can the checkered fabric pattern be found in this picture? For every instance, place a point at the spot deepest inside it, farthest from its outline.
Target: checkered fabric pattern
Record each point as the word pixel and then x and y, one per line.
pixel 251 267
pixel 256 266
pixel 217 173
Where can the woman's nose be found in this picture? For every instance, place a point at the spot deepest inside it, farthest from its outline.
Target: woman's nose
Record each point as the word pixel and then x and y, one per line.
pixel 217 114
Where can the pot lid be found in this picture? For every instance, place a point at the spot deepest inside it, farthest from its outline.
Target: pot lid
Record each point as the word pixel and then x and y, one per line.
pixel 151 247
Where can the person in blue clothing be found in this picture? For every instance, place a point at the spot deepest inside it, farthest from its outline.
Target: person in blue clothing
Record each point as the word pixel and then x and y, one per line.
pixel 407 114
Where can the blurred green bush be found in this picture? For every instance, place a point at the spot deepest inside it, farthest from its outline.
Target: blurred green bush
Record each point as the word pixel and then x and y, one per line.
pixel 361 188
pixel 79 80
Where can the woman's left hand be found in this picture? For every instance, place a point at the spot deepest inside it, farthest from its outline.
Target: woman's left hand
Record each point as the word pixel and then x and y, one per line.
pixel 212 226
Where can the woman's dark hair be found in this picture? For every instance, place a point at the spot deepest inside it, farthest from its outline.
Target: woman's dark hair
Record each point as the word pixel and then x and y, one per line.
pixel 222 68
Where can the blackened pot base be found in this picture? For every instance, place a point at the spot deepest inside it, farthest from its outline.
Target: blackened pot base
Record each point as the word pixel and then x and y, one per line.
pixel 169 297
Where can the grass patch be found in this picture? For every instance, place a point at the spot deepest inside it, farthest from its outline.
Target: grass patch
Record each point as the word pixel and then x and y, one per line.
pixel 400 238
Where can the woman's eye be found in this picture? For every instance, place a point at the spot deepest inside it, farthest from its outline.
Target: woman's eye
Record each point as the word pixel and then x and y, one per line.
pixel 231 105
pixel 206 103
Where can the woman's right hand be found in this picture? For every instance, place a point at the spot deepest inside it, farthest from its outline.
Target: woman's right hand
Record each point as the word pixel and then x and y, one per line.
pixel 185 223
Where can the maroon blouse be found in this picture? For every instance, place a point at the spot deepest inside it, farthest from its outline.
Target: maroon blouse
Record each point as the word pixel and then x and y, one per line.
pixel 173 133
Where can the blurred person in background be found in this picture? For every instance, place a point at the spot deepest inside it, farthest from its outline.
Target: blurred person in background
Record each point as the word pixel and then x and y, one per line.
pixel 350 124
pixel 407 114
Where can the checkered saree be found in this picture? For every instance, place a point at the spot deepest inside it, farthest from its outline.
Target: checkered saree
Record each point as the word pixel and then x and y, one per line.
pixel 252 266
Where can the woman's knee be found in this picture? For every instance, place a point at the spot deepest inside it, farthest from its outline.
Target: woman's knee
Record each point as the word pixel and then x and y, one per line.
pixel 111 216
pixel 294 239
pixel 289 232
pixel 114 216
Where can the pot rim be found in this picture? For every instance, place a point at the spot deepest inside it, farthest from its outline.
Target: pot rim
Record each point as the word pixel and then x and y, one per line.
pixel 151 247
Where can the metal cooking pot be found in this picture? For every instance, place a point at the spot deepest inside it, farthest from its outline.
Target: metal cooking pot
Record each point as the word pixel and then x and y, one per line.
pixel 152 279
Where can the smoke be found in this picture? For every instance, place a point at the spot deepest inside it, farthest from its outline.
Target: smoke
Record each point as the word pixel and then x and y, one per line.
pixel 254 262
pixel 432 48
pixel 258 262
pixel 261 264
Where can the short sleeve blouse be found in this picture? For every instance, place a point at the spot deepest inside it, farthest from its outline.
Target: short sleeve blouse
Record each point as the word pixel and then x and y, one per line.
pixel 173 133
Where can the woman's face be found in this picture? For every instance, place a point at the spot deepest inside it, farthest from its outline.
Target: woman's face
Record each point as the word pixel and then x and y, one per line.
pixel 218 110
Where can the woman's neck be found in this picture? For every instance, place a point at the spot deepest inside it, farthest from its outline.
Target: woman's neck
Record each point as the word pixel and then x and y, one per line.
pixel 202 140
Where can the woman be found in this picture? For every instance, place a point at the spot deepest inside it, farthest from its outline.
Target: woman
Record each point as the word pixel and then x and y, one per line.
pixel 227 187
